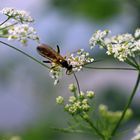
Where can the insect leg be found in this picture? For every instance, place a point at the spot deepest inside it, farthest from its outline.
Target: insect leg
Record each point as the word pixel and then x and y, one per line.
pixel 46 61
pixel 58 49
pixel 69 72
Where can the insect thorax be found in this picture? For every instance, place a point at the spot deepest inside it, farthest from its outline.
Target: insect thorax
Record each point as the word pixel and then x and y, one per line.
pixel 65 64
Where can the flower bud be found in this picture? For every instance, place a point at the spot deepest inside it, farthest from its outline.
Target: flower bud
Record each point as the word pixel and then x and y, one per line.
pixel 72 88
pixel 90 94
pixel 59 100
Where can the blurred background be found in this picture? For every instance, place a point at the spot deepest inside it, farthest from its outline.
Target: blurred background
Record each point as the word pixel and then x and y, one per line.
pixel 27 93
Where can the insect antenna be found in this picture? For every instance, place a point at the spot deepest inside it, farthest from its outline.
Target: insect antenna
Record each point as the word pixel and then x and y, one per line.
pixel 58 49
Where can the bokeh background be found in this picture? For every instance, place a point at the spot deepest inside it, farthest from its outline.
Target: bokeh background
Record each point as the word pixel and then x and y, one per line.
pixel 27 93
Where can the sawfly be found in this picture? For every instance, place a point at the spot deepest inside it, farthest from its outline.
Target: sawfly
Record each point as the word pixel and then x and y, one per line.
pixel 54 56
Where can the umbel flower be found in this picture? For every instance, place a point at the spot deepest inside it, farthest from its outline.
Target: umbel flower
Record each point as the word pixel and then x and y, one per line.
pixel 77 60
pixel 22 33
pixel 18 15
pixel 17 26
pixel 56 72
pixel 122 46
pixel 76 104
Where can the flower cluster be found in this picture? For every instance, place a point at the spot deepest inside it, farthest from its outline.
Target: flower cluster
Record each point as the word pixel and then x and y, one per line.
pixel 79 59
pixel 55 72
pixel 137 133
pixel 77 104
pixel 111 116
pixel 22 33
pixel 122 46
pixel 18 15
pixel 17 26
pixel 98 37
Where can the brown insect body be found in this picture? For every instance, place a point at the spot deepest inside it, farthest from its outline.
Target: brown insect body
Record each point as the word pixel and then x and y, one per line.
pixel 54 56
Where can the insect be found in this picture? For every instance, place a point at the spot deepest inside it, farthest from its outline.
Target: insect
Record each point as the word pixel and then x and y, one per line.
pixel 54 57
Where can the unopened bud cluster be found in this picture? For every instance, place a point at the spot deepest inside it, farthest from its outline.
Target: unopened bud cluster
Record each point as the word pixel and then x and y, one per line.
pixel 79 104
pixel 111 116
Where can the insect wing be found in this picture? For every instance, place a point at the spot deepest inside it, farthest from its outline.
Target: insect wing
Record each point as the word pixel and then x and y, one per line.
pixel 49 53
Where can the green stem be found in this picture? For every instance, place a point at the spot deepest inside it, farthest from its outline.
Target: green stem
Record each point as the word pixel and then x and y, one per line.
pixel 4 21
pixel 9 26
pixel 94 128
pixel 134 60
pixel 3 36
pixel 78 85
pixel 34 59
pixel 128 61
pixel 68 130
pixel 105 68
pixel 127 105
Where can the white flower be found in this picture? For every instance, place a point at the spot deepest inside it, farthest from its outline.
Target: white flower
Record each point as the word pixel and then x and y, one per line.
pixel 137 33
pixel 120 51
pixel 137 133
pixel 136 46
pixel 137 130
pixel 79 59
pixel 9 11
pixel 120 46
pixel 98 36
pixel 22 32
pixel 55 72
pixel 137 137
pixel 19 15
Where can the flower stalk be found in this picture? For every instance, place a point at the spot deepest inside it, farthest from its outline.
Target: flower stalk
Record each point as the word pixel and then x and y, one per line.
pixel 77 82
pixel 5 21
pixel 109 68
pixel 93 127
pixel 24 53
pixel 127 105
